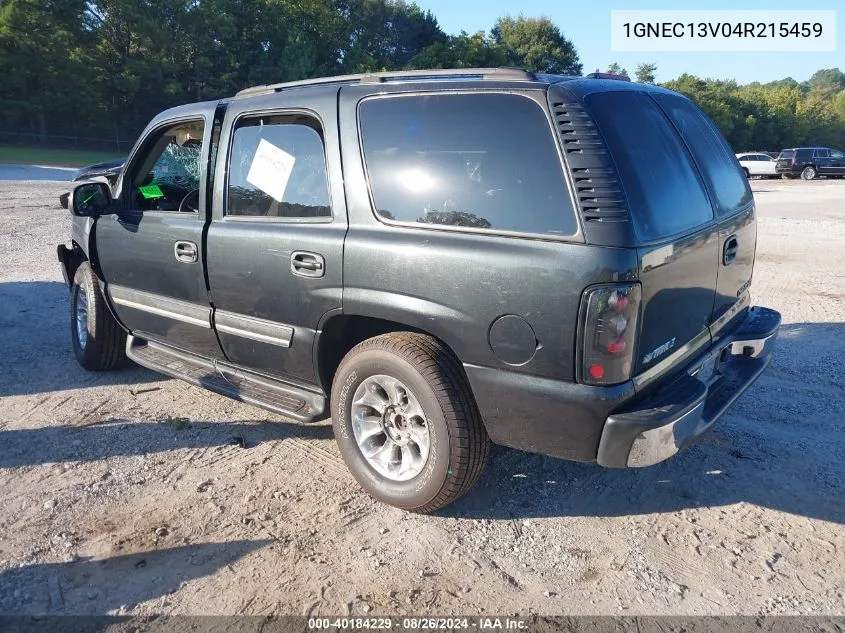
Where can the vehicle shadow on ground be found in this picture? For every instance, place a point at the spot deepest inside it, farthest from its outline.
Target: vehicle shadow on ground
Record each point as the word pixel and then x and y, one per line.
pixel 36 347
pixel 91 586
pixel 121 438
pixel 782 446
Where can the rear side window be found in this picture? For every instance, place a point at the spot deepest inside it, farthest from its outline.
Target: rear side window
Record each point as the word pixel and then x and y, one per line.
pixel 803 154
pixel 822 153
pixel 482 161
pixel 665 193
pixel 726 182
pixel 277 169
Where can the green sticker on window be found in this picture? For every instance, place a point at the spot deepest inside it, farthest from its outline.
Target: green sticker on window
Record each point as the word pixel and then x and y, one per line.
pixel 151 191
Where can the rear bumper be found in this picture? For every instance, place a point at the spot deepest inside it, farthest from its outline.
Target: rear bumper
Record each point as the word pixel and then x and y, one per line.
pixel 616 426
pixel 655 428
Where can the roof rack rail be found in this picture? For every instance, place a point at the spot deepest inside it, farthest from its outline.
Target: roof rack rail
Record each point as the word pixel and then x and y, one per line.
pixel 504 73
pixel 616 76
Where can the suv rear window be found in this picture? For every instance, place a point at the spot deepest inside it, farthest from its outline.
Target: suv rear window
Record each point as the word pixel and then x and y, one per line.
pixel 715 158
pixel 665 193
pixel 482 161
pixel 787 153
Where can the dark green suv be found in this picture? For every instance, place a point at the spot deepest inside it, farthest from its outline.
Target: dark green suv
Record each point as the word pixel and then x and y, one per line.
pixel 436 260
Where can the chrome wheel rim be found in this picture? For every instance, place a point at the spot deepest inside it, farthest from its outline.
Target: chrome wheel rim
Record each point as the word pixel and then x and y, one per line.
pixel 809 173
pixel 390 428
pixel 81 302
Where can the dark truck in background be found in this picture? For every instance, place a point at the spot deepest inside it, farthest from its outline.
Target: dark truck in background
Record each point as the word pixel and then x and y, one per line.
pixel 435 259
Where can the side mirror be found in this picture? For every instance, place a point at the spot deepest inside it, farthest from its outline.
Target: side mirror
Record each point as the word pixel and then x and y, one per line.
pixel 92 199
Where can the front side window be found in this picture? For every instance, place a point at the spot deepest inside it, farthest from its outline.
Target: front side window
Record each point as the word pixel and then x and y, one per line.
pixel 165 175
pixel 480 161
pixel 835 153
pixel 715 158
pixel 664 191
pixel 277 169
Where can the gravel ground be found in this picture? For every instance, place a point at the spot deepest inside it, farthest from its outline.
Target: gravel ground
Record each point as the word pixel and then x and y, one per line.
pixel 128 492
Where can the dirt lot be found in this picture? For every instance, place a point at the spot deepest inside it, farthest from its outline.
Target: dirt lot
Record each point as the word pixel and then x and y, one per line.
pixel 132 493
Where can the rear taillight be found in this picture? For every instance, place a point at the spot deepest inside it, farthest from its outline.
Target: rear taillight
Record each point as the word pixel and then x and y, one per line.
pixel 793 159
pixel 608 332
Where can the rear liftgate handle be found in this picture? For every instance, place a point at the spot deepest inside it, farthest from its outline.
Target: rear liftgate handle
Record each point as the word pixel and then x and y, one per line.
pixel 307 264
pixel 731 248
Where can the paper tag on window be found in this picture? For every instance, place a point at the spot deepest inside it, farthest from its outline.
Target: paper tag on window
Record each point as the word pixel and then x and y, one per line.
pixel 270 169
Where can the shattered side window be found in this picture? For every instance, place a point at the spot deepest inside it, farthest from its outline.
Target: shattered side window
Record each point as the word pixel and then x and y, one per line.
pixel 179 165
pixel 166 173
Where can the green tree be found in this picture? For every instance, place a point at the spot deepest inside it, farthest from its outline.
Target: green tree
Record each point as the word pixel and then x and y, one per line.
pixel 831 78
pixel 44 49
pixel 537 45
pixel 645 73
pixel 386 34
pixel 461 51
pixel 616 69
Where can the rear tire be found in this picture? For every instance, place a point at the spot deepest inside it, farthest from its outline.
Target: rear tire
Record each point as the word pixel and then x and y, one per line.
pixel 99 343
pixel 747 173
pixel 406 422
pixel 809 173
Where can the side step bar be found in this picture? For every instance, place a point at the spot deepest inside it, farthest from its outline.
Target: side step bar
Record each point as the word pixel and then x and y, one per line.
pixel 228 380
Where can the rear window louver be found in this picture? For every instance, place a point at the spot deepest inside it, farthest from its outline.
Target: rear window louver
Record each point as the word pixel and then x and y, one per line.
pixel 600 196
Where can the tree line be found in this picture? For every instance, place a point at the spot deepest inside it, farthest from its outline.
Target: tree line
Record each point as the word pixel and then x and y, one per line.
pixel 93 72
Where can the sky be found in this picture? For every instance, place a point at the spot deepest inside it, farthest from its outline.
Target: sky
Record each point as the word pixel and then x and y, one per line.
pixel 587 25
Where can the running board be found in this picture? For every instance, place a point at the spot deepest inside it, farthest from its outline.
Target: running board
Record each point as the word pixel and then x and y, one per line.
pixel 228 380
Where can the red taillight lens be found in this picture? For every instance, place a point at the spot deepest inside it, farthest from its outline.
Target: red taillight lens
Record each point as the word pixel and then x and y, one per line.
pixel 793 159
pixel 609 328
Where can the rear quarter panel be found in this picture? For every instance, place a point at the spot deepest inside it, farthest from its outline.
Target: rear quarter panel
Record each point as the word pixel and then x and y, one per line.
pixel 455 285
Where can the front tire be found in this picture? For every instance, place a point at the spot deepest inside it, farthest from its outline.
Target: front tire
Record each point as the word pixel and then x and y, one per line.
pixel 406 422
pixel 99 343
pixel 809 173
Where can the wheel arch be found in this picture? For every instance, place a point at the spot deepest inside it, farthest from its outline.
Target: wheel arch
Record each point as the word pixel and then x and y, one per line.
pixel 71 257
pixel 339 332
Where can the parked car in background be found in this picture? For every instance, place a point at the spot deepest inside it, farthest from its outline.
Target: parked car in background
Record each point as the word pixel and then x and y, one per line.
pixel 811 162
pixel 436 260
pixel 109 170
pixel 757 165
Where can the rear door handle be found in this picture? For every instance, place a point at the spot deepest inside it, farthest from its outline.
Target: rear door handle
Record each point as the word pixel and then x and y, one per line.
pixel 307 264
pixel 186 252
pixel 730 251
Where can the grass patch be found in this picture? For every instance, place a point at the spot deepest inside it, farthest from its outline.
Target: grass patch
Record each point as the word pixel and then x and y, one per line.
pixel 177 423
pixel 53 156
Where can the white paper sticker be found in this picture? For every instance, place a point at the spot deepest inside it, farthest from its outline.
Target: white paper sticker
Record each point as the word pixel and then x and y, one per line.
pixel 270 169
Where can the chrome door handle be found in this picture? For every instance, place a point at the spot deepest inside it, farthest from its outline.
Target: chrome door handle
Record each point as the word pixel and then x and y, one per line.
pixel 307 264
pixel 730 250
pixel 186 252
